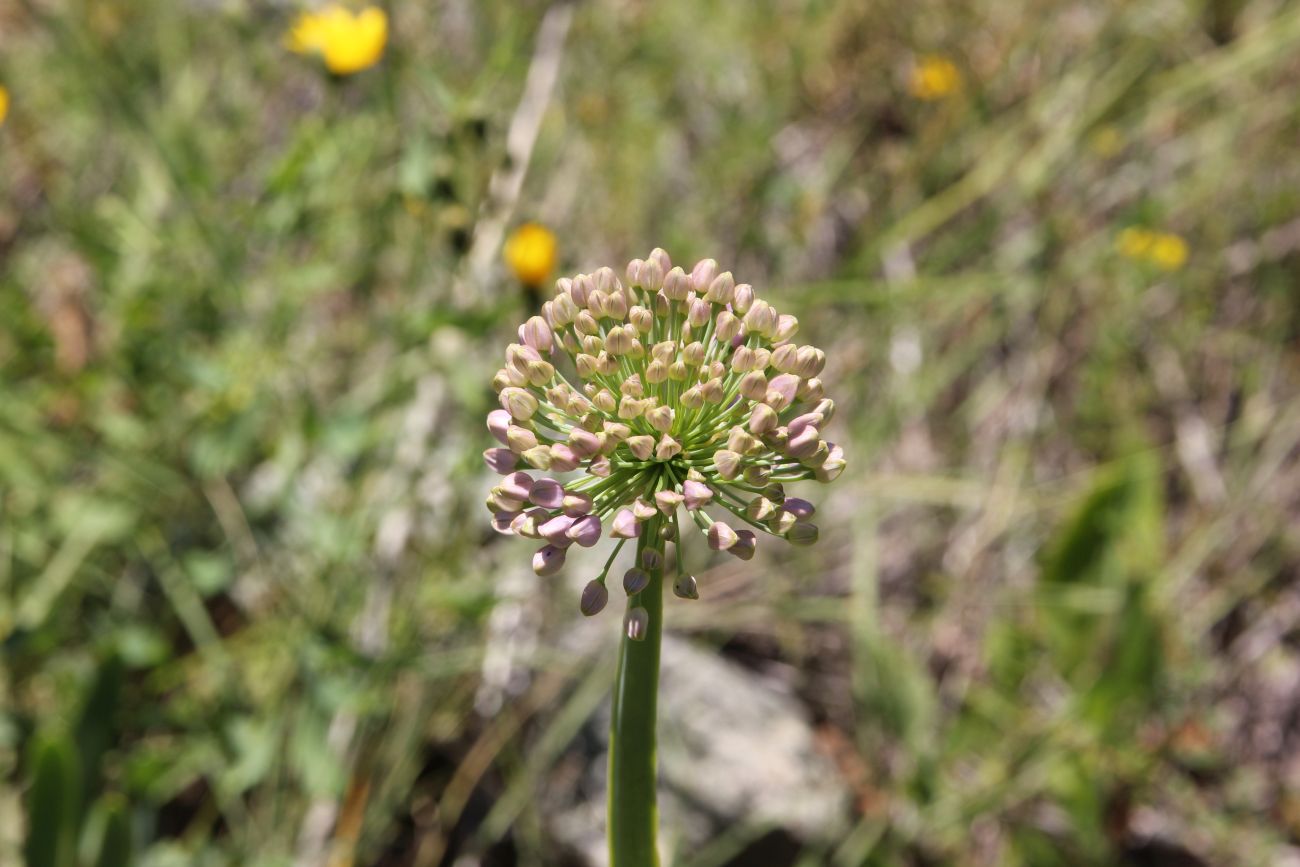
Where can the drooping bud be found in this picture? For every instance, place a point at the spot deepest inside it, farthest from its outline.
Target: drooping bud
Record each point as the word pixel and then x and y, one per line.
pixel 555 530
pixel 804 444
pixel 519 403
pixel 498 421
pixel 668 501
pixel 721 536
pixel 746 542
pixel 500 461
pixel 652 560
pixel 799 508
pixel 548 560
pixel 564 459
pixel 576 503
pixel 547 493
pixel 517 486
pixel 696 495
pixel 594 598
pixel 686 587
pixel 637 624
pixel 760 509
pixel 584 443
pixel 538 457
pixel 625 525
pixel 643 509
pixel 802 533
pixel 585 531
pixel 635 580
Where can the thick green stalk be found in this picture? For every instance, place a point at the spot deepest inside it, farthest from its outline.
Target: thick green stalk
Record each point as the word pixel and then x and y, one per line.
pixel 633 816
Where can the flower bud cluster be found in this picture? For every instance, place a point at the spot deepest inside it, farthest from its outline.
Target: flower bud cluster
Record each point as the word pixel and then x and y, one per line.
pixel 663 390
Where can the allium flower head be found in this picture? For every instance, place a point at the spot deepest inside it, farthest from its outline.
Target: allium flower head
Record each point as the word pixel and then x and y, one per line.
pixel 632 399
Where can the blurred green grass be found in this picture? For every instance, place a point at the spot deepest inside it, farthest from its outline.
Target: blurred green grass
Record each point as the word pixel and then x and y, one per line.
pixel 244 351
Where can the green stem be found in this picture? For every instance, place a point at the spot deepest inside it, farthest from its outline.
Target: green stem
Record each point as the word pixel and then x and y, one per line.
pixel 633 816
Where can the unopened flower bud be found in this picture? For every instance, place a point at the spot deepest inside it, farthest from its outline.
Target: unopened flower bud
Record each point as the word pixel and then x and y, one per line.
pixel 727 463
pixel 630 407
pixel 760 509
pixel 625 525
pixel 713 391
pixel 692 398
pixel 700 312
pixel 693 354
pixel 804 444
pixel 600 467
pixel 746 542
pixel 753 385
pixel 637 624
pixel 802 533
pixel 686 587
pixel 781 391
pixel 787 326
pixel 721 536
pixel 635 580
pixel 742 298
pixel 643 509
pixel 641 318
pixel 834 465
pixel 652 275
pixel 641 446
pixel 633 272
pixel 585 324
pixel 564 459
pixel 585 531
pixel 519 403
pixel 583 442
pixel 809 361
pixel 676 285
pixel 576 503
pixel 538 457
pixel 762 418
pixel 756 475
pixel 810 390
pixel 703 274
pixel 696 495
pixel 517 486
pixel 547 561
pixel 781 522
pixel 594 598
pixel 726 327
pixel 721 289
pixel 553 530
pixel 668 501
pixel 498 421
pixel 547 493
pixel 677 371
pixel 500 461
pixel 537 334
pixel 661 418
pixel 656 372
pixel 667 448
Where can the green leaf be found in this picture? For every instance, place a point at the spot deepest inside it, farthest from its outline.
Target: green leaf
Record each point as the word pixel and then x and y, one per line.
pixel 52 804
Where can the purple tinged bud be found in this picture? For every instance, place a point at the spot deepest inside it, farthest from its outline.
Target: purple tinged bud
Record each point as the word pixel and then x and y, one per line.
pixel 498 421
pixel 727 327
pixel 808 419
pixel 746 542
pixel 693 354
pixel 696 495
pixel 500 461
pixel 785 357
pixel 583 443
pixel 686 587
pixel 693 397
pixel 652 276
pixel 501 523
pixel 668 501
pixel 661 418
pixel 781 391
pixel 635 580
pixel 547 561
pixel 811 390
pixel 547 493
pixel 804 444
pixel 787 326
pixel 703 274
pixel 625 525
pixel 652 559
pixel 753 385
pixel 517 486
pixel 742 299
pixel 762 419
pixel 637 624
pixel 563 459
pixel 721 289
pixel 641 446
pixel 712 390
pixel 537 334
pixel 582 288
pixel 817 458
pixel 799 508
pixel 727 463
pixel 802 533
pixel 576 504
pixel 585 531
pixel 607 281
pixel 742 360
pixel 721 536
pixel 556 529
pixel 641 318
pixel 643 510
pixel 660 256
pixel 594 598
pixel 700 313
pixel 830 471
pixel 600 467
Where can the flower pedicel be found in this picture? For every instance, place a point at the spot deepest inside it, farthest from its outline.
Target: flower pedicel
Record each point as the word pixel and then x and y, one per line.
pixel 687 392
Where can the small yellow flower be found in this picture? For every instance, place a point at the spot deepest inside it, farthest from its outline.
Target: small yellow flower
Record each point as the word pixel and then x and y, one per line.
pixel 934 77
pixel 1162 249
pixel 1168 251
pixel 348 41
pixel 4 103
pixel 530 253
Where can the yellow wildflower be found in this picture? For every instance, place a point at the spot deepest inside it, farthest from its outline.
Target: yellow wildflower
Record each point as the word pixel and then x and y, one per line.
pixel 1162 249
pixel 348 41
pixel 1168 251
pixel 530 253
pixel 4 103
pixel 934 77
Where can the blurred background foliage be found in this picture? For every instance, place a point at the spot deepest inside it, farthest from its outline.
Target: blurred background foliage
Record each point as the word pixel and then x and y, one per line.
pixel 249 310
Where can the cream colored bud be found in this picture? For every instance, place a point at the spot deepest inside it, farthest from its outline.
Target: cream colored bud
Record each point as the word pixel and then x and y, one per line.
pixel 585 323
pixel 761 318
pixel 762 418
pixel 664 350
pixel 617 431
pixel 540 372
pixel 721 289
pixel 641 446
pixel 699 313
pixel 586 365
pixel 616 306
pixel 652 275
pixel 742 298
pixel 593 344
pixel 760 509
pixel 811 390
pixel 641 318
pixel 519 403
pixel 633 272
pixel 667 448
pixel 742 360
pixel 703 274
pixel 693 354
pixel 727 327
pixel 605 400
pixel 656 372
pixel 660 418
pixel 607 281
pixel 713 391
pixel 618 341
pixel 630 408
pixel 606 364
pixel 538 457
pixel 637 350
pixel 784 357
pixel 692 398
pixel 743 442
pixel 727 463
pixel 757 476
pixel 676 285
pixel 753 385
pixel 677 371
pixel 787 326
pixel 563 310
pixel 811 361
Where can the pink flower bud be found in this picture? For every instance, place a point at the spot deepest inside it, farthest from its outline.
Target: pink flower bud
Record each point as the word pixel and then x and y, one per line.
pixel 721 289
pixel 576 504
pixel 498 420
pixel 787 326
pixel 721 536
pixel 785 357
pixel 581 289
pixel 520 439
pixel 600 467
pixel 625 525
pixel 642 509
pixel 726 328
pixel 547 493
pixel 641 446
pixel 537 334
pixel 676 285
pixel 661 418
pixel 696 495
pixel 781 391
pixel 501 523
pixel 834 465
pixel 703 274
pixel 652 275
pixel 635 580
pixel 808 419
pixel 517 485
pixel 594 598
pixel 810 390
pixel 742 299
pixel 753 385
pixel 804 444
pixel 637 624
pixel 762 418
pixel 652 559
pixel 563 459
pixel 667 448
pixel 693 397
pixel 500 461
pixel 585 531
pixel 700 313
pixel 518 403
pixel 583 443
pixel 693 354
pixel 555 531
pixel 799 508
pixel 547 561
pixel 746 542
pixel 668 501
